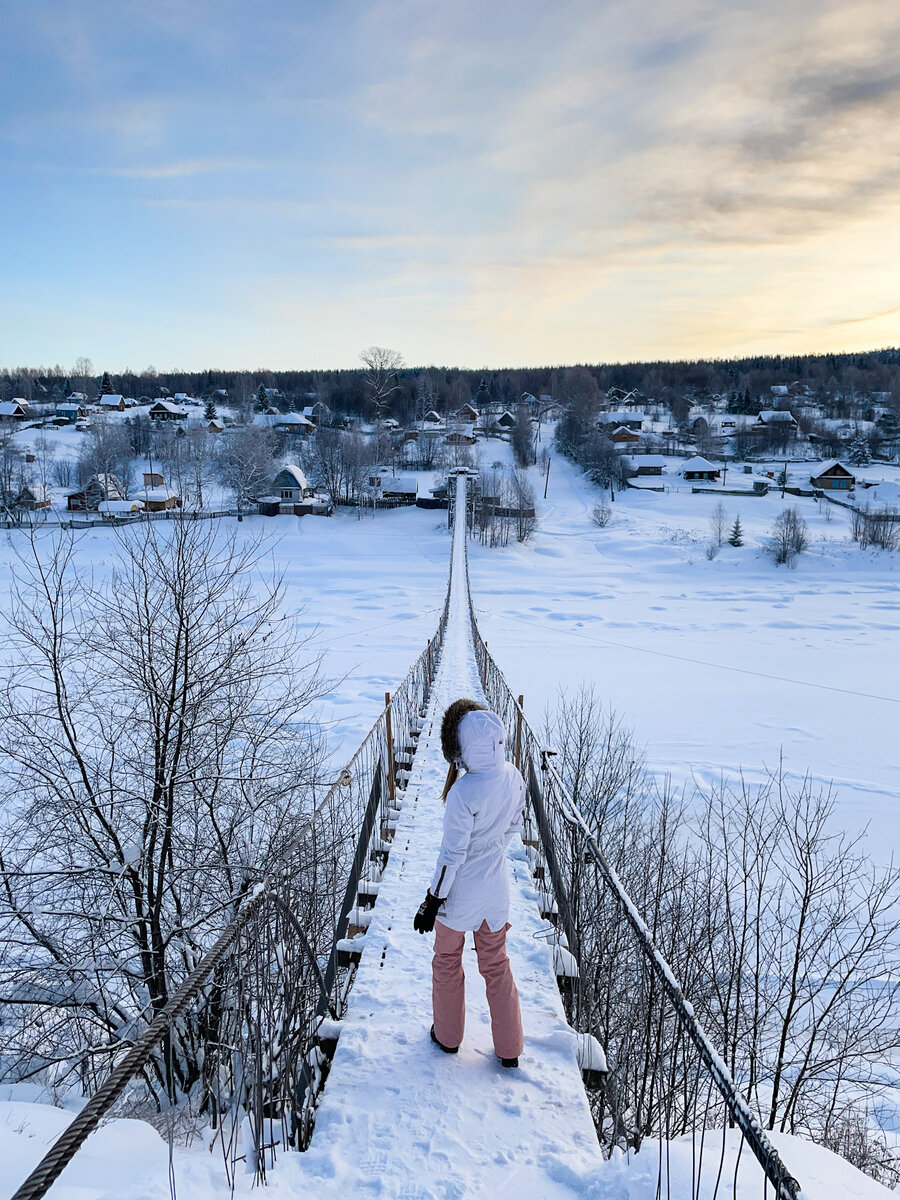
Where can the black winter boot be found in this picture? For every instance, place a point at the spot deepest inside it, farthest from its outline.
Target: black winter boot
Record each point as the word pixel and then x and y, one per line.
pixel 509 1062
pixel 449 1049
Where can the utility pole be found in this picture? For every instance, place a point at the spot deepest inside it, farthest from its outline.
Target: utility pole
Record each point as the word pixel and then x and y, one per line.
pixel 547 477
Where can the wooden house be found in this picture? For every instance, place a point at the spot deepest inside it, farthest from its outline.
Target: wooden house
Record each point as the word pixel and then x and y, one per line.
pixel 833 477
pixel 33 496
pixel 12 410
pixel 318 413
pixel 460 438
pixel 644 464
pixel 95 492
pixel 165 410
pixel 290 484
pixel 295 423
pixel 156 496
pixel 776 418
pixel 506 420
pixel 468 413
pixel 698 468
pixel 623 436
pixel 609 421
pixel 402 489
pixel 69 412
pixel 216 425
pixel 111 403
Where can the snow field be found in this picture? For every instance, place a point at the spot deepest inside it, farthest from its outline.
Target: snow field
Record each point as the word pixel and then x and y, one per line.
pixel 718 665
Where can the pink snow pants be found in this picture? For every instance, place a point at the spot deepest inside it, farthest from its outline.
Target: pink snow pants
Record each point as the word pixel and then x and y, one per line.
pixel 448 990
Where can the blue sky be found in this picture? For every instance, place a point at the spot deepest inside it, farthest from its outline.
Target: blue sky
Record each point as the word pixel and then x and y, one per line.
pixel 282 184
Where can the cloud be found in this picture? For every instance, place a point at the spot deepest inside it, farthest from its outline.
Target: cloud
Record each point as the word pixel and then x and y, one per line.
pixel 182 170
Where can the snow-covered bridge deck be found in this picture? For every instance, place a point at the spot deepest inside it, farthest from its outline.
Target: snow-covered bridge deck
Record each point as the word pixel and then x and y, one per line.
pixel 398 1117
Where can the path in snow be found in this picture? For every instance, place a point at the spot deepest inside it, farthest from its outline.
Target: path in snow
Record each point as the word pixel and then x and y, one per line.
pixel 398 1117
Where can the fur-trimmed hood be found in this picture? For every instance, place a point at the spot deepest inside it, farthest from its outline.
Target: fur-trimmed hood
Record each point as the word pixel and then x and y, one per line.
pixel 450 728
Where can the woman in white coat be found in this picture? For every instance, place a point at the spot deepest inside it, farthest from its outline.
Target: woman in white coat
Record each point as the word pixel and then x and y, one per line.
pixel 470 887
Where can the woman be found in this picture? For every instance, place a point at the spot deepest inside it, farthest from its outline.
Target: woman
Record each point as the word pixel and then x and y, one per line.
pixel 470 888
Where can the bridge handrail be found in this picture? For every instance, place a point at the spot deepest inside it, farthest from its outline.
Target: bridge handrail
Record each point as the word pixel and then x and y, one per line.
pixel 554 794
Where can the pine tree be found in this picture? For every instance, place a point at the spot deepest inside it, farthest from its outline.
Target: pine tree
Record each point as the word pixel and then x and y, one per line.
pixel 262 400
pixel 482 396
pixel 737 533
pixel 209 412
pixel 859 452
pixel 106 387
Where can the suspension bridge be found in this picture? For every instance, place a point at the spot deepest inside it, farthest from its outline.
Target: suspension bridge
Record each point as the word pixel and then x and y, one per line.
pixel 308 1019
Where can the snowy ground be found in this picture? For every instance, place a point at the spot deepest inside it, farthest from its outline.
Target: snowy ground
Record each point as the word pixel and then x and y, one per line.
pixel 718 665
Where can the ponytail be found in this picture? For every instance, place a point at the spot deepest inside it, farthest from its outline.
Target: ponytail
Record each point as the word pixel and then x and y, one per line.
pixel 452 776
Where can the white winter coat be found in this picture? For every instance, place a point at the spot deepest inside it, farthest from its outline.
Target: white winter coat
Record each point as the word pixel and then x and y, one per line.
pixel 484 810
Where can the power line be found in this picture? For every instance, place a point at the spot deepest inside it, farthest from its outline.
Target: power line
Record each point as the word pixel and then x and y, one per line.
pixel 822 687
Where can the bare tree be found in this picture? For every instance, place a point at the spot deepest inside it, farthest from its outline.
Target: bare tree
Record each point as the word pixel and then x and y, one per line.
pixel 156 750
pixel 789 536
pixel 341 462
pixel 718 524
pixel 523 506
pixel 108 452
pixel 44 456
pixel 199 464
pixel 381 366
pixel 523 437
pixel 83 373
pixel 246 463
pixel 12 475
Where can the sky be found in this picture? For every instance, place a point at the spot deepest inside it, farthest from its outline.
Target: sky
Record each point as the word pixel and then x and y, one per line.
pixel 199 183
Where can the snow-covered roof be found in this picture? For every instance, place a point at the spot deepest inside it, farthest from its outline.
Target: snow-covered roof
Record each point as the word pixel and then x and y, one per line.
pixel 80 397
pixel 697 463
pixel 159 494
pixel 115 507
pixel 775 414
pixel 829 466
pixel 294 419
pixel 618 416
pixel 168 406
pixel 10 408
pixel 40 493
pixel 111 401
pixel 216 423
pixel 402 484
pixel 295 474
pixel 68 406
pixel 21 400
pixel 645 460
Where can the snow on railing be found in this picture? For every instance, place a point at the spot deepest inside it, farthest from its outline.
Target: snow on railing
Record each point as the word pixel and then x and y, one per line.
pixel 662 1077
pixel 242 1047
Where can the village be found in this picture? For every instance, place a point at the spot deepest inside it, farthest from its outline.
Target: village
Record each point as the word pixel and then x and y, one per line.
pixel 210 456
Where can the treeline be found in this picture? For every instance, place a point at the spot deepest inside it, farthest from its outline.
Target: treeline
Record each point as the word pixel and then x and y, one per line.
pixel 445 388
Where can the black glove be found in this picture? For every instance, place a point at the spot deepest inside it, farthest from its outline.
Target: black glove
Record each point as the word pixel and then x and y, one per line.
pixel 423 921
